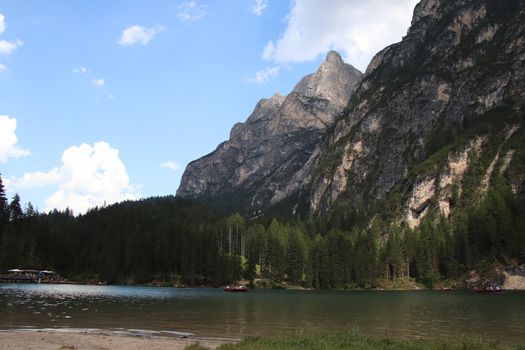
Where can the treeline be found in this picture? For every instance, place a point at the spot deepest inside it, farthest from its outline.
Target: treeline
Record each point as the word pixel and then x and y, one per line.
pixel 176 241
pixel 478 237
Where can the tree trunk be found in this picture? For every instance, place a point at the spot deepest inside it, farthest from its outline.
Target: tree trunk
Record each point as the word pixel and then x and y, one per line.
pixel 230 240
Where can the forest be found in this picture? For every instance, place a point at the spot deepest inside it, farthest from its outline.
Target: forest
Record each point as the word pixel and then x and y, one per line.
pixel 172 241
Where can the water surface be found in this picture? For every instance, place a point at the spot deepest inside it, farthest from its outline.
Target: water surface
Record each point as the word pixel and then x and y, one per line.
pixel 212 312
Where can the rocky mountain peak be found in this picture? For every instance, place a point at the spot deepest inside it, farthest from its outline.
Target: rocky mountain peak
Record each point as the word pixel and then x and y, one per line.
pixel 334 57
pixel 426 8
pixel 333 81
pixel 275 101
pixel 277 98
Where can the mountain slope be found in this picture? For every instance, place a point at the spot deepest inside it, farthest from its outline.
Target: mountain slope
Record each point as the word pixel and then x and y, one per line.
pixel 415 123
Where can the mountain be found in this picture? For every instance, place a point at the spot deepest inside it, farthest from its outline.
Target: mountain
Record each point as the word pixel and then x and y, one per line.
pixel 256 163
pixel 432 125
pixel 447 98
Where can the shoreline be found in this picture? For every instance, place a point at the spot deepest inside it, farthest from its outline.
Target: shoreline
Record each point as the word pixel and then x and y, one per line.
pixel 517 287
pixel 77 338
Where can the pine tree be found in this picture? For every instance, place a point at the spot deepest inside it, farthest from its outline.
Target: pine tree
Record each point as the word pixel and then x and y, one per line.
pixel 462 244
pixel 4 212
pixel 15 209
pixel 276 251
pixel 393 255
pixel 318 259
pixel 296 256
pixel 236 241
pixel 340 249
pixel 30 210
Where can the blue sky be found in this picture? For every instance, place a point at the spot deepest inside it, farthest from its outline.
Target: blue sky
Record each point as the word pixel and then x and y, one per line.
pixel 102 101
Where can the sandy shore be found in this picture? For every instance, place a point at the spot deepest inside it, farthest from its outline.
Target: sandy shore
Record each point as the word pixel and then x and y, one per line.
pixel 107 341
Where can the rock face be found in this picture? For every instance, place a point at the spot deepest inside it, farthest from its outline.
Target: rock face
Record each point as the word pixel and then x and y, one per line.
pixel 461 62
pixel 251 169
pixel 411 125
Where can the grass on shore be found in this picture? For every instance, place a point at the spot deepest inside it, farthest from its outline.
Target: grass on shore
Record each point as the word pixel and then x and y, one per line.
pixel 353 341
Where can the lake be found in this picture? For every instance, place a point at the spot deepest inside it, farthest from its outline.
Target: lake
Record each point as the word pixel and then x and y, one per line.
pixel 214 313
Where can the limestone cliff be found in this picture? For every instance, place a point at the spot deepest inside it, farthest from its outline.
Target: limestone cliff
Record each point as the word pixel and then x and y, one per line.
pixel 414 125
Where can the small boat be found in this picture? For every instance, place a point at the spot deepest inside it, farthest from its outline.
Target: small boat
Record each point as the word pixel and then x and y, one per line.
pixel 238 289
pixel 446 289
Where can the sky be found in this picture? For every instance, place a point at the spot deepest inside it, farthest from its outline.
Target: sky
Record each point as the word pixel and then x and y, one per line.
pixel 104 101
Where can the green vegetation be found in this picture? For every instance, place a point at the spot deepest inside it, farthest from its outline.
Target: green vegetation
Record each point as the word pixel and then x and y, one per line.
pixel 195 346
pixel 353 341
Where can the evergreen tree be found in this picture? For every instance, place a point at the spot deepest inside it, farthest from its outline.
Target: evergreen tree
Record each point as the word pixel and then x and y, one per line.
pixel 340 250
pixel 462 245
pixel 319 261
pixel 30 210
pixel 15 209
pixel 276 251
pixel 4 210
pixel 255 250
pixel 366 256
pixel 296 256
pixel 394 258
pixel 236 241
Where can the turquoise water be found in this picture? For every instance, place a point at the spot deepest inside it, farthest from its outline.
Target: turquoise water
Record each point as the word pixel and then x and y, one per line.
pixel 212 312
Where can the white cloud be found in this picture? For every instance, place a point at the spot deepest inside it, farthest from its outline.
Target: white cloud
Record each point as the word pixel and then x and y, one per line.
pixel 98 82
pixel 9 47
pixel 8 140
pixel 265 75
pixel 80 70
pixel 89 176
pixel 37 179
pixel 139 35
pixel 358 29
pixel 258 7
pixel 191 11
pixel 2 23
pixel 170 165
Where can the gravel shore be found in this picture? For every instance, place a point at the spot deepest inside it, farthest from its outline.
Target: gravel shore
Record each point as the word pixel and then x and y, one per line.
pixel 83 340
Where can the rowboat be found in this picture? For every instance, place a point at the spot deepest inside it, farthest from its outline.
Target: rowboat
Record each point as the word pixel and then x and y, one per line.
pixel 238 289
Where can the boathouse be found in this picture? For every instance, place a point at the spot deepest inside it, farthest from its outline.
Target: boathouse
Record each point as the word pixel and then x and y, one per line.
pixel 29 276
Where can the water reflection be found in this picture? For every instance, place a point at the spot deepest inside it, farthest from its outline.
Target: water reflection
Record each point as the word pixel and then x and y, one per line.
pixel 211 312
